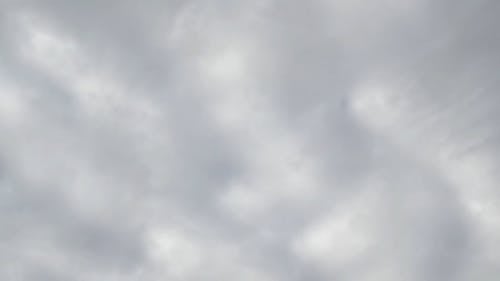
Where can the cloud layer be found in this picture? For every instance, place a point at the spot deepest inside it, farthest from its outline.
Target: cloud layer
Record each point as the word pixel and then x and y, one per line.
pixel 249 140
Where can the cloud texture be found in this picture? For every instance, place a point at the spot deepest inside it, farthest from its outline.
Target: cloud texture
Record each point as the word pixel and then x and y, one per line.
pixel 253 140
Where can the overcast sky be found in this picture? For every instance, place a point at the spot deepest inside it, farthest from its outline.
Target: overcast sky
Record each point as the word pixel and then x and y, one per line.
pixel 259 140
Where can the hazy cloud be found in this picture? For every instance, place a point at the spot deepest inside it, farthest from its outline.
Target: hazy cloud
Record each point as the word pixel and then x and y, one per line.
pixel 249 140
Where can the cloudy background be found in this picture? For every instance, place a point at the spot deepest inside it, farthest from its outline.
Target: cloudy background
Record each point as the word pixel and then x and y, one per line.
pixel 259 140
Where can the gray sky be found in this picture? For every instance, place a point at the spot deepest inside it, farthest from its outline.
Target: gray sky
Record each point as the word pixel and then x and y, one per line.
pixel 263 140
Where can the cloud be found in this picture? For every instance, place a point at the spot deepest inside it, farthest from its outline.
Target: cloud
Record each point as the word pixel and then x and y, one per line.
pixel 251 140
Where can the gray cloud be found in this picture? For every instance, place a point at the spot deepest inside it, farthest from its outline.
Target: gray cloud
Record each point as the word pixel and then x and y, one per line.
pixel 251 140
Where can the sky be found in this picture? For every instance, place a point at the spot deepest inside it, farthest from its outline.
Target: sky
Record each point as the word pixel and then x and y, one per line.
pixel 252 140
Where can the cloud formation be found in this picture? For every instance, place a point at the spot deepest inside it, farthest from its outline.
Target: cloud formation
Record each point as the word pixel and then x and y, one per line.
pixel 249 140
